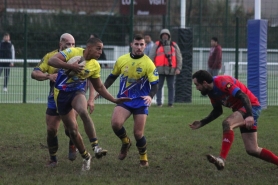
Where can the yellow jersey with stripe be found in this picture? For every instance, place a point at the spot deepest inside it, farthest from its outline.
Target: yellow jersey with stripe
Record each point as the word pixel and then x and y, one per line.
pixel 45 68
pixel 77 82
pixel 137 73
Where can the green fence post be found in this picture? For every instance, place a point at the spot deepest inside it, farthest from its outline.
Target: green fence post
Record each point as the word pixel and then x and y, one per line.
pixel 25 59
pixel 236 64
pixel 131 23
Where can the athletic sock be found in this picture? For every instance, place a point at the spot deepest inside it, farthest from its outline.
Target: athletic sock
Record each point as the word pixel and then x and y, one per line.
pixel 228 138
pixel 142 148
pixel 268 156
pixel 52 147
pixel 94 142
pixel 122 135
pixel 85 155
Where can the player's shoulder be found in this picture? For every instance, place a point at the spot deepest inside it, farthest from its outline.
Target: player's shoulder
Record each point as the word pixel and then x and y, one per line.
pixel 73 50
pixel 125 56
pixel 51 53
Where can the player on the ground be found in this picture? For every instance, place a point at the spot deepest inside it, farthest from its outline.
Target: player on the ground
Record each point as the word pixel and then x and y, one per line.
pixel 45 72
pixel 139 81
pixel 231 93
pixel 69 94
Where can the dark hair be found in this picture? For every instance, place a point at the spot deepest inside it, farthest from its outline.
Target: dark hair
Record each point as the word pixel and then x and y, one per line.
pixel 6 34
pixel 138 37
pixel 95 35
pixel 202 75
pixel 215 39
pixel 94 41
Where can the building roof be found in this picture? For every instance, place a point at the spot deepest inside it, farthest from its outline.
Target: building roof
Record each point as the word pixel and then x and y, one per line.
pixel 71 6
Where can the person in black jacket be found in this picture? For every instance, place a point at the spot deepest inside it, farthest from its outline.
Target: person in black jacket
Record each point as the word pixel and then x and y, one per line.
pixel 6 52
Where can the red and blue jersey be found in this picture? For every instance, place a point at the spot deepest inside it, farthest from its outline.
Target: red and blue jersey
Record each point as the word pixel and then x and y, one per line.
pixel 225 89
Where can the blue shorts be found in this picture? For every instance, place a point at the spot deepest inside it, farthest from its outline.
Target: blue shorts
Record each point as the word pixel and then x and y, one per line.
pixel 134 111
pixel 64 100
pixel 256 111
pixel 52 112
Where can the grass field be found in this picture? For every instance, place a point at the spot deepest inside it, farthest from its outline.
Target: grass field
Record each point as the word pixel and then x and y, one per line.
pixel 176 153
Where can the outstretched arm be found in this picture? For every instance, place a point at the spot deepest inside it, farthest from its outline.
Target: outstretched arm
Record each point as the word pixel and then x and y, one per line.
pixel 110 80
pixel 100 88
pixel 215 113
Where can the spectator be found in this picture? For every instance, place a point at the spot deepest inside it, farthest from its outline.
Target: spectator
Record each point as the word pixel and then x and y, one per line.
pixel 102 56
pixel 167 58
pixel 215 57
pixel 6 52
pixel 149 44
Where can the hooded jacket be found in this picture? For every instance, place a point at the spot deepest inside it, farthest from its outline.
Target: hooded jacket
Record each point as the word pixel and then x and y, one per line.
pixel 166 55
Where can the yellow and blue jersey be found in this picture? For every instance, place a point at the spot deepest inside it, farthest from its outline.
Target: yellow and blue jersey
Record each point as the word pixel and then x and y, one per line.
pixel 136 76
pixel 45 68
pixel 77 82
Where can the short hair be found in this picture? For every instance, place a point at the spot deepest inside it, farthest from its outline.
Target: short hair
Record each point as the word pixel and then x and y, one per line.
pixel 94 35
pixel 62 37
pixel 93 41
pixel 202 75
pixel 6 34
pixel 138 37
pixel 214 39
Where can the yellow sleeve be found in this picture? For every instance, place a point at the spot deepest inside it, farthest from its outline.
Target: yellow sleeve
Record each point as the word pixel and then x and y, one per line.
pixel 152 72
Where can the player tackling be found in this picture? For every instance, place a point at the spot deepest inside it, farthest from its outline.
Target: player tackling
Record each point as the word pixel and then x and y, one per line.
pixel 230 92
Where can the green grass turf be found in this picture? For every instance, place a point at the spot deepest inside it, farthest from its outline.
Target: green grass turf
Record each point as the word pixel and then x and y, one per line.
pixel 176 153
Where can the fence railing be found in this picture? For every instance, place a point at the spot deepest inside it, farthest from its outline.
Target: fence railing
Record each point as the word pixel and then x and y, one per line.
pixel 37 91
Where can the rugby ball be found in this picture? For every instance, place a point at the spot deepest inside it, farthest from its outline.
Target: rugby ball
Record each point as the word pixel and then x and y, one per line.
pixel 72 60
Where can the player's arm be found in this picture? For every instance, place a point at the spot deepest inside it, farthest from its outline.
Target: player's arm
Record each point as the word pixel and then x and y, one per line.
pixel 91 99
pixel 154 89
pixel 110 80
pixel 215 113
pixel 40 76
pixel 249 119
pixel 100 88
pixel 59 61
pixel 245 101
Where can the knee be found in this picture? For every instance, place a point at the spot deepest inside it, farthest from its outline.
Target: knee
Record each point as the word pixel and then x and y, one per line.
pixel 138 134
pixel 73 133
pixel 226 125
pixel 83 113
pixel 52 132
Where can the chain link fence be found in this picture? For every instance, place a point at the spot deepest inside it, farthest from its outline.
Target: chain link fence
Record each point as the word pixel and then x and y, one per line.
pixel 35 27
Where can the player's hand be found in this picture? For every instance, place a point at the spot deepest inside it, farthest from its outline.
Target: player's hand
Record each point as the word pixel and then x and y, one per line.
pixel 147 99
pixel 97 96
pixel 195 125
pixel 52 77
pixel 122 100
pixel 76 67
pixel 91 106
pixel 249 122
pixel 177 72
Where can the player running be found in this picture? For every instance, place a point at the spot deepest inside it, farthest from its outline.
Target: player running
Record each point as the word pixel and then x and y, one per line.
pixel 231 93
pixel 69 94
pixel 139 81
pixel 45 72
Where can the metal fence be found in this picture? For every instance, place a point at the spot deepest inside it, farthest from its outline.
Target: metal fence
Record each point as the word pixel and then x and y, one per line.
pixel 37 91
